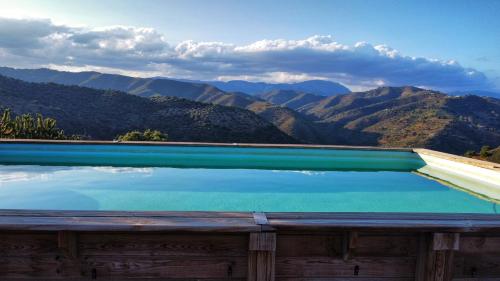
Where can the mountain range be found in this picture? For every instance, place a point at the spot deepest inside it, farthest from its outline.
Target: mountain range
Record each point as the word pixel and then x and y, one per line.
pixel 481 93
pixel 404 116
pixel 317 87
pixel 104 114
pixel 386 116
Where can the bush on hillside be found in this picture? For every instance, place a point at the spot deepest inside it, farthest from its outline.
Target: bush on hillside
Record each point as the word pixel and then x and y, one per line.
pixel 147 135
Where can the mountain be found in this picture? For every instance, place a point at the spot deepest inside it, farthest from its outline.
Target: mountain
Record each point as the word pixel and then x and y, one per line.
pixel 292 99
pixel 318 87
pixel 481 93
pixel 144 87
pixel 290 122
pixel 386 116
pixel 104 114
pixel 404 116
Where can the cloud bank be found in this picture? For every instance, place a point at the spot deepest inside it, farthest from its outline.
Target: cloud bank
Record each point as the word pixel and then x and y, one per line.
pixel 144 51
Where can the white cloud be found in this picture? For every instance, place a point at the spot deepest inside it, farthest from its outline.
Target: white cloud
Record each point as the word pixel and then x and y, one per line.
pixel 142 51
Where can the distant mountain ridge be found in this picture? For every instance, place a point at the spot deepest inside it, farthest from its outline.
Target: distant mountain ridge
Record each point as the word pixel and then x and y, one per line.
pixel 481 93
pixel 386 116
pixel 104 114
pixel 404 116
pixel 317 87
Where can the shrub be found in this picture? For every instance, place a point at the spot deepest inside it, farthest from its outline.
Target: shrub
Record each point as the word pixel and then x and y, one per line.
pixel 147 135
pixel 470 153
pixel 27 126
pixel 485 151
pixel 495 156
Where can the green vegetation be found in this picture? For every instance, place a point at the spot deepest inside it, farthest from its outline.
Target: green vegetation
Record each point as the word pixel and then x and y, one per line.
pixel 486 153
pixel 27 126
pixel 148 135
pixel 103 114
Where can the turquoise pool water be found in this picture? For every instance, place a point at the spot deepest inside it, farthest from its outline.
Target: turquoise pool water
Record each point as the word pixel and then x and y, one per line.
pixel 107 177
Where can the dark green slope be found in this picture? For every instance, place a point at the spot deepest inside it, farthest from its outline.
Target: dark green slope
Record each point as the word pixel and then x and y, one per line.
pixel 103 114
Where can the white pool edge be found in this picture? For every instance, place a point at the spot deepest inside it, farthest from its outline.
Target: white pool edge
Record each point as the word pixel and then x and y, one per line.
pixel 479 177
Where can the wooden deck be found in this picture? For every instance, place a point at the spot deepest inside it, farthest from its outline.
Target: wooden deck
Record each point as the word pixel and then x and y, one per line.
pixel 87 245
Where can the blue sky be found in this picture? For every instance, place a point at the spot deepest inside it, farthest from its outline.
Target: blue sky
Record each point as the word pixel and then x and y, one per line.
pixel 457 41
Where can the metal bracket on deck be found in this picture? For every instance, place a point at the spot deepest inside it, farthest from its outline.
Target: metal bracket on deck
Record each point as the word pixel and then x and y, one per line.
pixel 261 219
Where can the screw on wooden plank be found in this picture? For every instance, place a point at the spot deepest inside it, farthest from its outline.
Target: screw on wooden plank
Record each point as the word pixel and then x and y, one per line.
pixel 356 270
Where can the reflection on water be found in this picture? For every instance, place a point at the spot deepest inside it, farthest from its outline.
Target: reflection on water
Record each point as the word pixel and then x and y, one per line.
pixel 121 170
pixel 124 188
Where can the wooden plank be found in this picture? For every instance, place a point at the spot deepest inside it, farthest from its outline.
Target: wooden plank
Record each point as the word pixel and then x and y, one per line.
pixel 128 214
pixel 440 258
pixel 166 267
pixel 68 243
pixel 261 256
pixel 309 267
pixel 244 222
pixel 134 279
pixel 477 265
pixel 26 244
pixel 37 267
pixel 380 215
pixel 387 245
pixel 128 224
pixel 368 245
pixel 446 241
pixel 151 244
pixel 424 241
pixel 346 279
pixel 261 266
pixel 384 224
pixel 480 244
pixel 263 241
pixel 349 243
pixel 304 245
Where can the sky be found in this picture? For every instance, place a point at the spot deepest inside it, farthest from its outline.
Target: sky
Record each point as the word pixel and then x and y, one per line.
pixel 445 45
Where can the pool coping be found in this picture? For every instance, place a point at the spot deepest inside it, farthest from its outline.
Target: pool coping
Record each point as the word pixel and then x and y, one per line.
pixel 241 222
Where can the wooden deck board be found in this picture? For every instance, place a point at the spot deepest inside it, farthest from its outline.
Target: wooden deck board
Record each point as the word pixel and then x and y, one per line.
pixel 100 223
pixel 241 222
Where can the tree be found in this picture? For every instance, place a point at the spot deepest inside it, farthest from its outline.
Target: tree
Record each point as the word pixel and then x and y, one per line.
pixel 470 153
pixel 28 127
pixel 485 151
pixel 147 135
pixel 495 156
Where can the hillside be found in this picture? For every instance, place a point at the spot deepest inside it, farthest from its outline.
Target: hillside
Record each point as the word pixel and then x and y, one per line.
pixel 404 116
pixel 317 87
pixel 386 116
pixel 101 114
pixel 290 122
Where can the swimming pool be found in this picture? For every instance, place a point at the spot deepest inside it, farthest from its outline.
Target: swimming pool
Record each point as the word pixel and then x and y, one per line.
pixel 224 178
